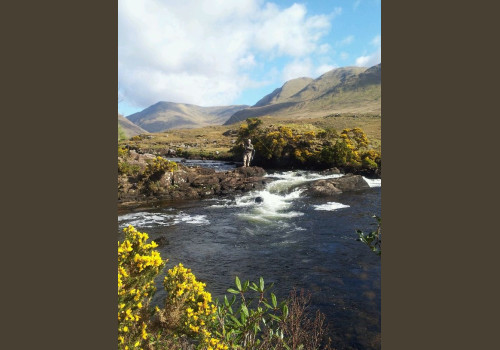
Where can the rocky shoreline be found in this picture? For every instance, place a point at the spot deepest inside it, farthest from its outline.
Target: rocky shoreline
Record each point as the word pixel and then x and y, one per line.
pixel 188 183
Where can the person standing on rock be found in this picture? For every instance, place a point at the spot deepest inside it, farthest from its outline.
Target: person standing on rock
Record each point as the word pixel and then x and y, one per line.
pixel 248 154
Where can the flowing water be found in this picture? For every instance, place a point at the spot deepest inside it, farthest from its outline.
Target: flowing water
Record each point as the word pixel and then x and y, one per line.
pixel 289 239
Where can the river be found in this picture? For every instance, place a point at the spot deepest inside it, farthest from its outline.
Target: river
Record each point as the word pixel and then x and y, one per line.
pixel 290 239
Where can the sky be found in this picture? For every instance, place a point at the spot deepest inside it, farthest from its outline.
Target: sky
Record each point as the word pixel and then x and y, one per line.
pixel 228 52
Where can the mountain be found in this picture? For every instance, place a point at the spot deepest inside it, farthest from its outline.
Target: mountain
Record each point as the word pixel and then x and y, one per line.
pixel 129 128
pixel 169 115
pixel 288 89
pixel 341 90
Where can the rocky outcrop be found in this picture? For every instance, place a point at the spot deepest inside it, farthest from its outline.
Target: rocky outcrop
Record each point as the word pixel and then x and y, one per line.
pixel 330 187
pixel 185 183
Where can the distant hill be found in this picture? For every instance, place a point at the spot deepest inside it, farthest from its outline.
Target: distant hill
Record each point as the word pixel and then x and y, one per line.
pixel 341 90
pixel 169 115
pixel 129 128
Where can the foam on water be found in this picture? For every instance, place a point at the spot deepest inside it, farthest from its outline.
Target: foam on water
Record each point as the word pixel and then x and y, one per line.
pixel 145 219
pixel 194 219
pixel 373 182
pixel 330 206
pixel 277 198
pixel 273 206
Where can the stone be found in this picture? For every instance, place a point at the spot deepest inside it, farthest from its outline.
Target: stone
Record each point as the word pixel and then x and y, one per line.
pixel 330 187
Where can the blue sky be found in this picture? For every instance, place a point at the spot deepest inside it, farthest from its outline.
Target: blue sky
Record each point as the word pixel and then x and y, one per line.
pixel 223 52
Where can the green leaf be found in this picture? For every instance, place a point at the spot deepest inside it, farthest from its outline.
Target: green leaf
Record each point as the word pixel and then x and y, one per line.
pixel 244 309
pixel 245 285
pixel 235 320
pixel 234 291
pixel 267 305
pixel 238 283
pixel 226 301
pixel 261 284
pixel 275 317
pixel 285 311
pixel 269 286
pixel 273 298
pixel 254 287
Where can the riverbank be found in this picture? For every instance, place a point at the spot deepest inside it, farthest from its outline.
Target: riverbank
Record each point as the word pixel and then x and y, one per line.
pixel 146 180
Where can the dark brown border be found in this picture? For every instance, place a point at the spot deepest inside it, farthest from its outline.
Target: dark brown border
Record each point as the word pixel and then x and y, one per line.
pixel 59 128
pixel 438 110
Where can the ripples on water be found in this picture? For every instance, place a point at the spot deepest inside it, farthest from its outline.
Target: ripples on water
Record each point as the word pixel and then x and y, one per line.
pixel 289 239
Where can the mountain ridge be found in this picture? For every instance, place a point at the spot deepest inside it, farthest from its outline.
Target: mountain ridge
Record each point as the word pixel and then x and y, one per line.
pixel 165 115
pixel 341 90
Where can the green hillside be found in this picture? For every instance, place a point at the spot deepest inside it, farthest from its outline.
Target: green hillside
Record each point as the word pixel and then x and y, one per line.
pixel 342 90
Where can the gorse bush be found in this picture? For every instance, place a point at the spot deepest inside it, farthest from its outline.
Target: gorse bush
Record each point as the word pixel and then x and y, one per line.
pixel 283 146
pixel 159 165
pixel 138 265
pixel 189 308
pixel 252 319
pixel 154 171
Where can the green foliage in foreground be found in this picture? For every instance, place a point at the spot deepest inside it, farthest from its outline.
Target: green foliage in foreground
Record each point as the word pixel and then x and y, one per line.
pixel 256 320
pixel 373 239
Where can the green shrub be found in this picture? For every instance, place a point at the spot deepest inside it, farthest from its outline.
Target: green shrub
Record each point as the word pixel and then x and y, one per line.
pixel 252 315
pixel 126 168
pixel 373 239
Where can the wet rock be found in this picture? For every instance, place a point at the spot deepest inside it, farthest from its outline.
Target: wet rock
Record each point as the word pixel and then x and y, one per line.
pixel 322 188
pixel 259 199
pixel 331 171
pixel 330 187
pixel 186 183
pixel 250 171
pixel 161 241
pixel 204 180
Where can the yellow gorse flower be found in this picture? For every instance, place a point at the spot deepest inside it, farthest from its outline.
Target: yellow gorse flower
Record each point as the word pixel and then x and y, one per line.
pixel 138 265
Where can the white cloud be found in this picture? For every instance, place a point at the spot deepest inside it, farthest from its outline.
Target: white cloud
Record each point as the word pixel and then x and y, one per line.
pixel 201 51
pixel 324 68
pixel 325 48
pixel 376 40
pixel 370 59
pixel 297 69
pixel 373 58
pixel 346 41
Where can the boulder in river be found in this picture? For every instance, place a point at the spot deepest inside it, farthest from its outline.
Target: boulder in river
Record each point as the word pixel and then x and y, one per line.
pixel 330 187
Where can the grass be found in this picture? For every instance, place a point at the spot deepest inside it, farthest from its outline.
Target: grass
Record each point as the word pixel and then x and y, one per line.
pixel 207 140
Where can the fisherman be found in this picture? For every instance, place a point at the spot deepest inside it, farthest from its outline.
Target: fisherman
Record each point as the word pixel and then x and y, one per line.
pixel 248 154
